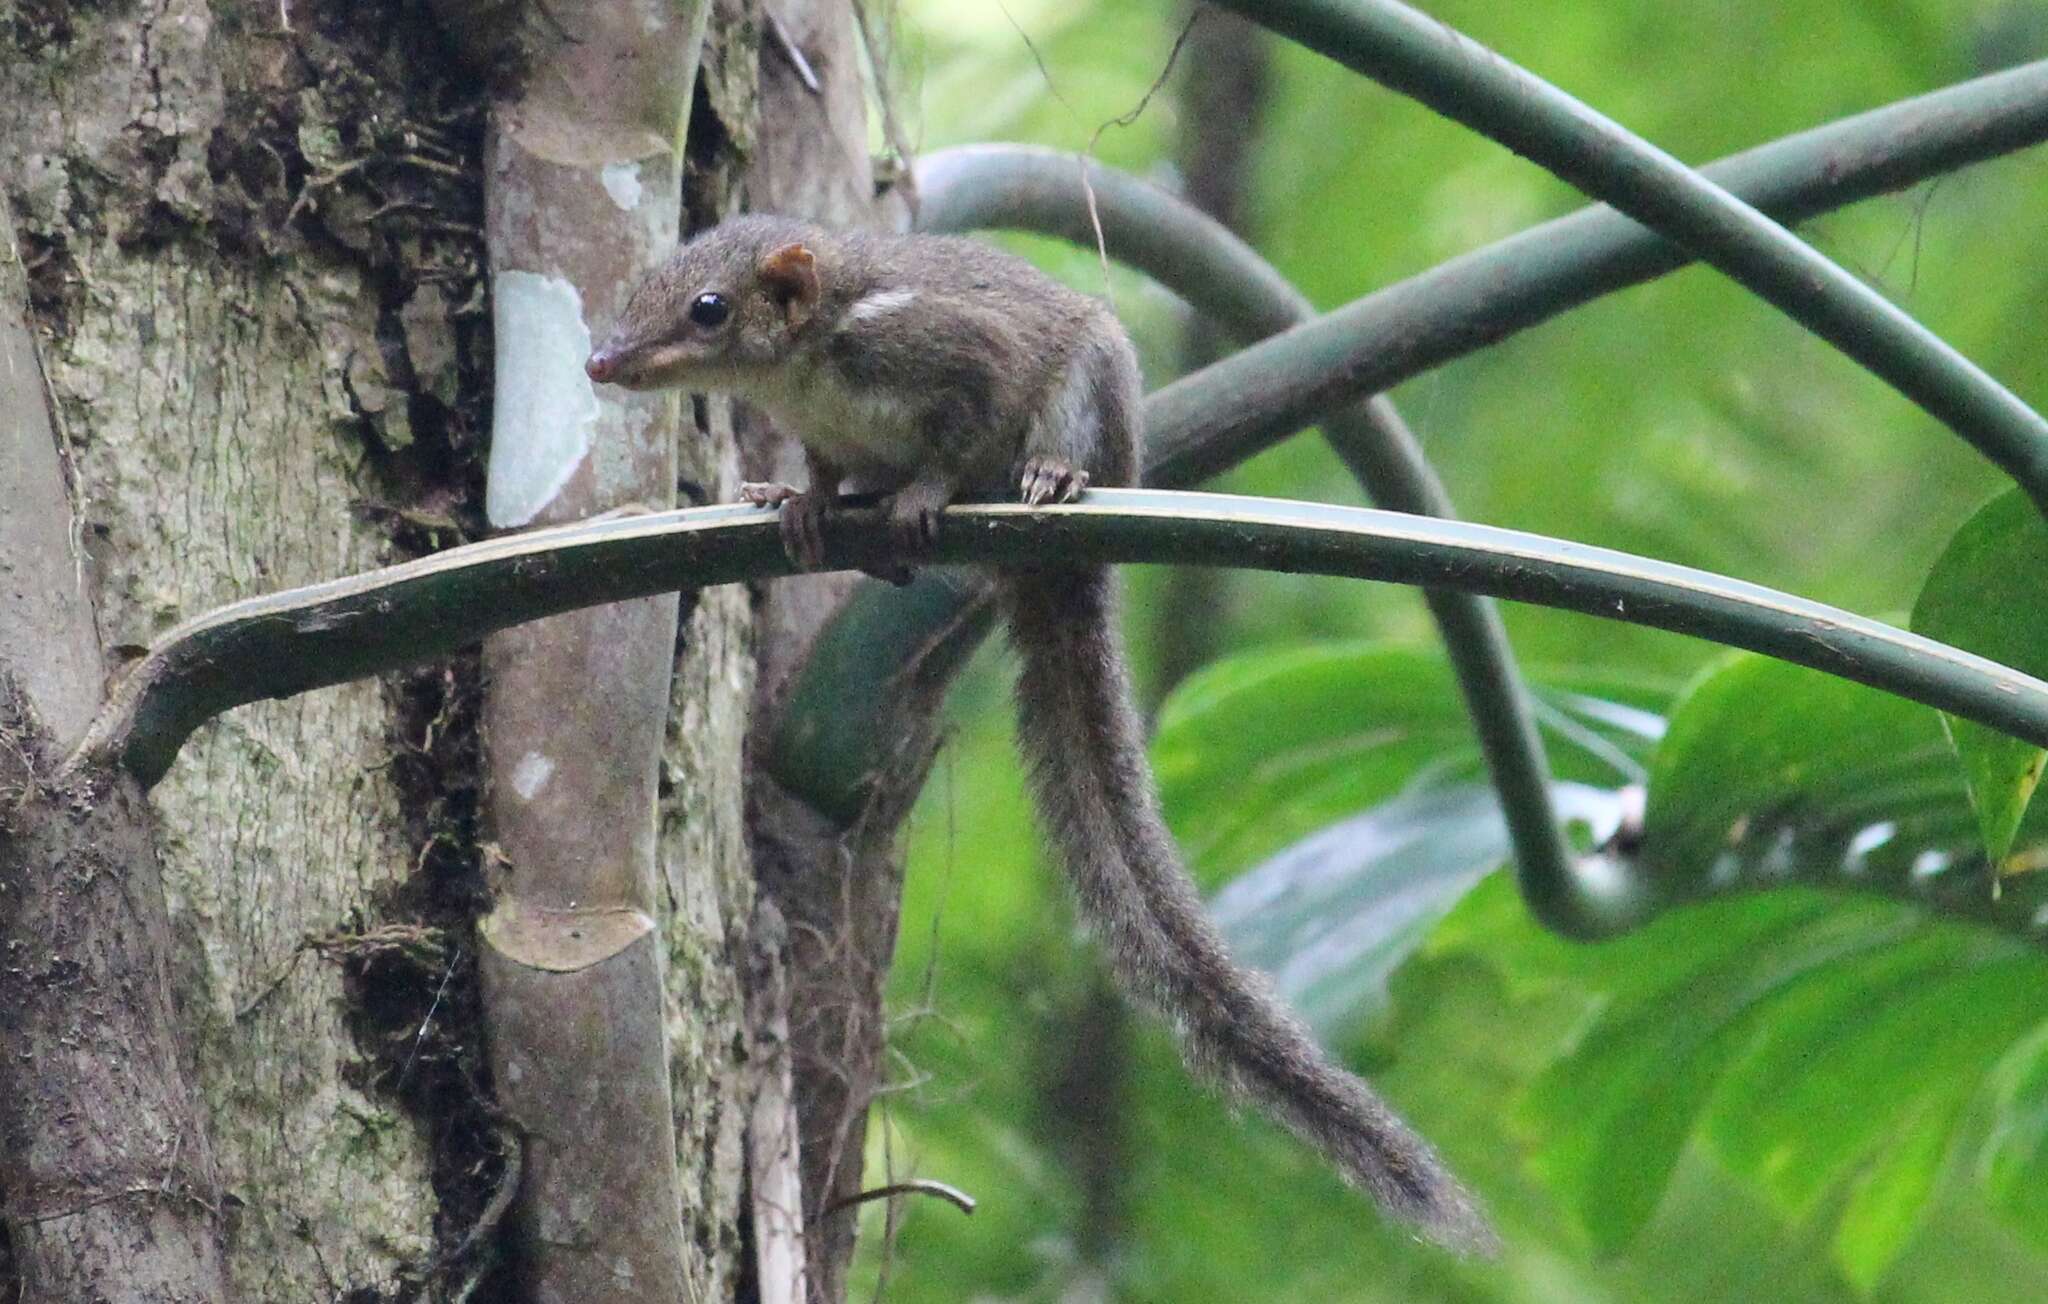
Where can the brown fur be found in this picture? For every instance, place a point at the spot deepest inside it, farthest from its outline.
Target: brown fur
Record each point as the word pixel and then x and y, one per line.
pixel 934 366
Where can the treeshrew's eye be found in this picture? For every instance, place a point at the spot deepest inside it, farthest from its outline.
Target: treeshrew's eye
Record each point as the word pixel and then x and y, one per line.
pixel 709 309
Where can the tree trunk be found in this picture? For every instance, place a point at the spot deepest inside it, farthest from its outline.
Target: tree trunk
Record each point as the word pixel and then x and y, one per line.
pixel 838 885
pixel 107 1185
pixel 253 244
pixel 238 381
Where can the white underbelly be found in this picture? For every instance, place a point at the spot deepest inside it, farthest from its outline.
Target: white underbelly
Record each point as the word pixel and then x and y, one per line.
pixel 860 430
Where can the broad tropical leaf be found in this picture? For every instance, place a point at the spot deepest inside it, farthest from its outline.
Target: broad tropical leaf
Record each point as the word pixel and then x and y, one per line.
pixel 1988 594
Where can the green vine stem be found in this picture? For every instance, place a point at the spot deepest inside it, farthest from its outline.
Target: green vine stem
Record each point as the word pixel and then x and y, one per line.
pixel 830 737
pixel 1425 58
pixel 287 643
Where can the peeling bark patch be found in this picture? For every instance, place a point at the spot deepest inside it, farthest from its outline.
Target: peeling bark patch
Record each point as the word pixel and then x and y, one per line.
pixel 531 775
pixel 546 409
pixel 622 183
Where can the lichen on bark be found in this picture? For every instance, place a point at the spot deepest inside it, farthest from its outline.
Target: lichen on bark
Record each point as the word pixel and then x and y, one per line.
pixel 706 872
pixel 258 305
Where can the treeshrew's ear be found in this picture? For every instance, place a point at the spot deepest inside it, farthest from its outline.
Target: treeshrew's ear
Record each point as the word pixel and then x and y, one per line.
pixel 791 277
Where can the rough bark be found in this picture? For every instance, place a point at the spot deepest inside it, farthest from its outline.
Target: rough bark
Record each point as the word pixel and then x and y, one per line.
pixel 250 231
pixel 255 252
pixel 706 878
pixel 110 1184
pixel 219 397
pixel 837 885
pixel 107 1183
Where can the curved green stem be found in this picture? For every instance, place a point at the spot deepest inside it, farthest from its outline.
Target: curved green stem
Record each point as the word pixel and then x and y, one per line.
pixel 1229 411
pixel 287 643
pixel 833 734
pixel 1427 59
pixel 1199 259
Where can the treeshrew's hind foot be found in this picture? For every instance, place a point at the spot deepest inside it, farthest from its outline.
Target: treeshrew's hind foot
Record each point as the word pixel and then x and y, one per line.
pixel 1050 480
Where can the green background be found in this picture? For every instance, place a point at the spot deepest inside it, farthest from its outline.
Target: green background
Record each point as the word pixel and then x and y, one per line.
pixel 1796 1094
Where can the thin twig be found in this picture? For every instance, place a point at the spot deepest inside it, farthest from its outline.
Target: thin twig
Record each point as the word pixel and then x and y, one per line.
pixel 1124 120
pixel 885 96
pixel 1039 59
pixel 953 1195
pixel 433 1006
pixel 791 51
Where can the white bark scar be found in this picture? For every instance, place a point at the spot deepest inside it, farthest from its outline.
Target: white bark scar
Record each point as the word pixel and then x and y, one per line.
pixel 531 775
pixel 622 183
pixel 544 411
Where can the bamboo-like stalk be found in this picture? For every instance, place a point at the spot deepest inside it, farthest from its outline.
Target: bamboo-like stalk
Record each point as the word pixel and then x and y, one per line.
pixel 583 179
pixel 1250 400
pixel 1201 260
pixel 1427 59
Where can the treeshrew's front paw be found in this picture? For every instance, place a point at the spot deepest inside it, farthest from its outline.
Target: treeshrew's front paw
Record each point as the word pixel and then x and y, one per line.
pixel 913 516
pixel 768 493
pixel 1050 480
pixel 802 522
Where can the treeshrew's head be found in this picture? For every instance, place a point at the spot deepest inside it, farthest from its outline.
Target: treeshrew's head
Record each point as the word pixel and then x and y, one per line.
pixel 726 305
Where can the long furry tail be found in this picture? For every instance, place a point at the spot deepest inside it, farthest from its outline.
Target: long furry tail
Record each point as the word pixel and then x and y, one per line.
pixel 1083 744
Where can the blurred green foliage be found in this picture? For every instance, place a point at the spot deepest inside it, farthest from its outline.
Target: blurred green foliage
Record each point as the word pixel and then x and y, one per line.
pixel 1988 593
pixel 1791 1095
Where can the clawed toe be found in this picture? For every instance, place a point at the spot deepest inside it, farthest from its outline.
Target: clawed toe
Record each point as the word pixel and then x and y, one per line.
pixel 767 493
pixel 802 523
pixel 803 530
pixel 1050 480
pixel 914 514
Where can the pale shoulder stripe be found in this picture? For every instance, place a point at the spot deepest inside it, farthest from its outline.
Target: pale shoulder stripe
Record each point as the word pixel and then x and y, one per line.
pixel 881 301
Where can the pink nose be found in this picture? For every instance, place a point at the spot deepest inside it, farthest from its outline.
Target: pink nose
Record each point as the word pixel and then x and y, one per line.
pixel 602 365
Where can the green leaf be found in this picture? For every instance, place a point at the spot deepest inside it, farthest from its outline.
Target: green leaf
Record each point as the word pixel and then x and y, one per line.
pixel 1788 1120
pixel 1775 1029
pixel 1828 1100
pixel 1988 594
pixel 1890 1201
pixel 2014 1161
pixel 1261 750
pixel 1769 773
pixel 1613 1117
pixel 1331 917
pixel 1772 1026
pixel 1275 754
